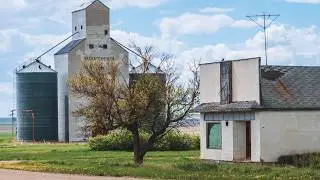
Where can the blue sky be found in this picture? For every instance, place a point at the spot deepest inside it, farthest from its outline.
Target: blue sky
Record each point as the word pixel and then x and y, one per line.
pixel 206 29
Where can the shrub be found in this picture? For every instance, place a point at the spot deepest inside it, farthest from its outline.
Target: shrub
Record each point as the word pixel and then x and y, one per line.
pixel 122 140
pixel 195 142
pixel 301 160
pixel 117 140
pixel 174 141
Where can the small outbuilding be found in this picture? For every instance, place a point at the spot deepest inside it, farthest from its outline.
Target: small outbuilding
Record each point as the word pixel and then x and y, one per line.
pixel 252 112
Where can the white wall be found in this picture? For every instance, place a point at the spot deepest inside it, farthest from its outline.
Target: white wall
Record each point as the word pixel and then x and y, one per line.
pixel 245 80
pixel 74 66
pixel 97 16
pixel 224 154
pixel 78 20
pixel 210 83
pixel 78 54
pixel 239 140
pixel 289 132
pixel 255 139
pixel 61 66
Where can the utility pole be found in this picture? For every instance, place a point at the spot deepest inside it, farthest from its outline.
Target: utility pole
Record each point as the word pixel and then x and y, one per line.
pixel 264 26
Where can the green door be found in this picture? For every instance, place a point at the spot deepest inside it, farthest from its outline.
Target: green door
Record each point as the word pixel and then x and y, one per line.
pixel 214 136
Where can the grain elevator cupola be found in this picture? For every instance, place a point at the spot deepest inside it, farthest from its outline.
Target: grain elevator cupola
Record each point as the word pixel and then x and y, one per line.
pixel 91 19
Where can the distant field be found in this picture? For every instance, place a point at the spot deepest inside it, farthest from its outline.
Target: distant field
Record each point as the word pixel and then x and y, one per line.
pixel 78 159
pixel 6 125
pixel 6 128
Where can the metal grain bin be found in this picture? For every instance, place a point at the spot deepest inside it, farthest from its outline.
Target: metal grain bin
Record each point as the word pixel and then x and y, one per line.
pixel 37 103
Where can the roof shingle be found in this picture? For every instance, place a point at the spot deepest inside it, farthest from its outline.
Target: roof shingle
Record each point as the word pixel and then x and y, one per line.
pixel 240 106
pixel 67 48
pixel 282 88
pixel 290 87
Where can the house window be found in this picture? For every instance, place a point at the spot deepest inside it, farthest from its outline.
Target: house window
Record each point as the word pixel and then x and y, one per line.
pixel 106 32
pixel 75 28
pixel 105 46
pixel 81 27
pixel 214 138
pixel 91 46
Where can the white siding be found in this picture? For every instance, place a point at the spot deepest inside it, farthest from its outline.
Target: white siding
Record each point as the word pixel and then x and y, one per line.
pixel 289 132
pixel 227 141
pixel 224 154
pixel 61 66
pixel 245 80
pixel 78 20
pixel 120 55
pixel 210 83
pixel 74 67
pixel 255 139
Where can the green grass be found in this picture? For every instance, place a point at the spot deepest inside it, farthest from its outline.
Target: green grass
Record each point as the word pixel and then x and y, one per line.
pixel 5 138
pixel 78 159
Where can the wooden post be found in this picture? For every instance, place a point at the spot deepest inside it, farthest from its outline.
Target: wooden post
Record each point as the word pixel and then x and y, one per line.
pixel 33 127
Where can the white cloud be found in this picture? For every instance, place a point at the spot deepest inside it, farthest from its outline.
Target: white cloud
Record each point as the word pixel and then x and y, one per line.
pixel 60 11
pixel 6 88
pixel 6 96
pixel 242 24
pixel 192 23
pixel 45 40
pixel 5 39
pixel 163 44
pixel 12 5
pixel 136 3
pixel 216 10
pixel 305 1
pixel 287 45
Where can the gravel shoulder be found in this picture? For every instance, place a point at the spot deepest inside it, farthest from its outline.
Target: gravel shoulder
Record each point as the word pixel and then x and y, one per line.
pixel 23 175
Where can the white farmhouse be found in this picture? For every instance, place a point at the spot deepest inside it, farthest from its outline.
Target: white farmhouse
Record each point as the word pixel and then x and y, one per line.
pixel 251 112
pixel 91 41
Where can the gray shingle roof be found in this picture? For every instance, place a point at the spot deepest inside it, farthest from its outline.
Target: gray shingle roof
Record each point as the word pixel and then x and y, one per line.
pixel 282 88
pixel 240 106
pixel 290 87
pixel 67 48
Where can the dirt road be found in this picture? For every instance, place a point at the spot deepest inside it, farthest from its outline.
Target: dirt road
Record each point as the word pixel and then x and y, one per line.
pixel 23 175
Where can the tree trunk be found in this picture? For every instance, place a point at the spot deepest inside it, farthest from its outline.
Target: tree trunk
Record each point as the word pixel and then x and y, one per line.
pixel 138 153
pixel 138 159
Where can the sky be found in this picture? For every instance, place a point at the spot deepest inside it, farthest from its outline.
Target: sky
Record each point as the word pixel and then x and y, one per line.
pixel 189 29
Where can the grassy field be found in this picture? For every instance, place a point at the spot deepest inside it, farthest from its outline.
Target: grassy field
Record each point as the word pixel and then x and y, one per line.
pixel 78 159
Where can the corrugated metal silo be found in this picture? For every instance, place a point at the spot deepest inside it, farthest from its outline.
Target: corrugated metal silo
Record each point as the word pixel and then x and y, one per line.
pixel 37 103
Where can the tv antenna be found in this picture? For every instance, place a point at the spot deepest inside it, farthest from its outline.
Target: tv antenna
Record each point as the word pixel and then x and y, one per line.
pixel 264 26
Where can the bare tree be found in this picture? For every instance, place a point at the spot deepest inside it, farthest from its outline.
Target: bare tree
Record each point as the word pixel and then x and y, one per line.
pixel 149 104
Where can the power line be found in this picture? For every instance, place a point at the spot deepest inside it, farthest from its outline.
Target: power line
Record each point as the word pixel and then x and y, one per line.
pixel 264 26
pixel 125 47
pixel 38 58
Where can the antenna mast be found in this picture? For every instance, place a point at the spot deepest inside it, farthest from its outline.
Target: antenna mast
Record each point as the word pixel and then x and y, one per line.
pixel 264 26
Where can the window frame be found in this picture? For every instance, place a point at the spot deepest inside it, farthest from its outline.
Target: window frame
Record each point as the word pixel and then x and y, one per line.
pixel 208 126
